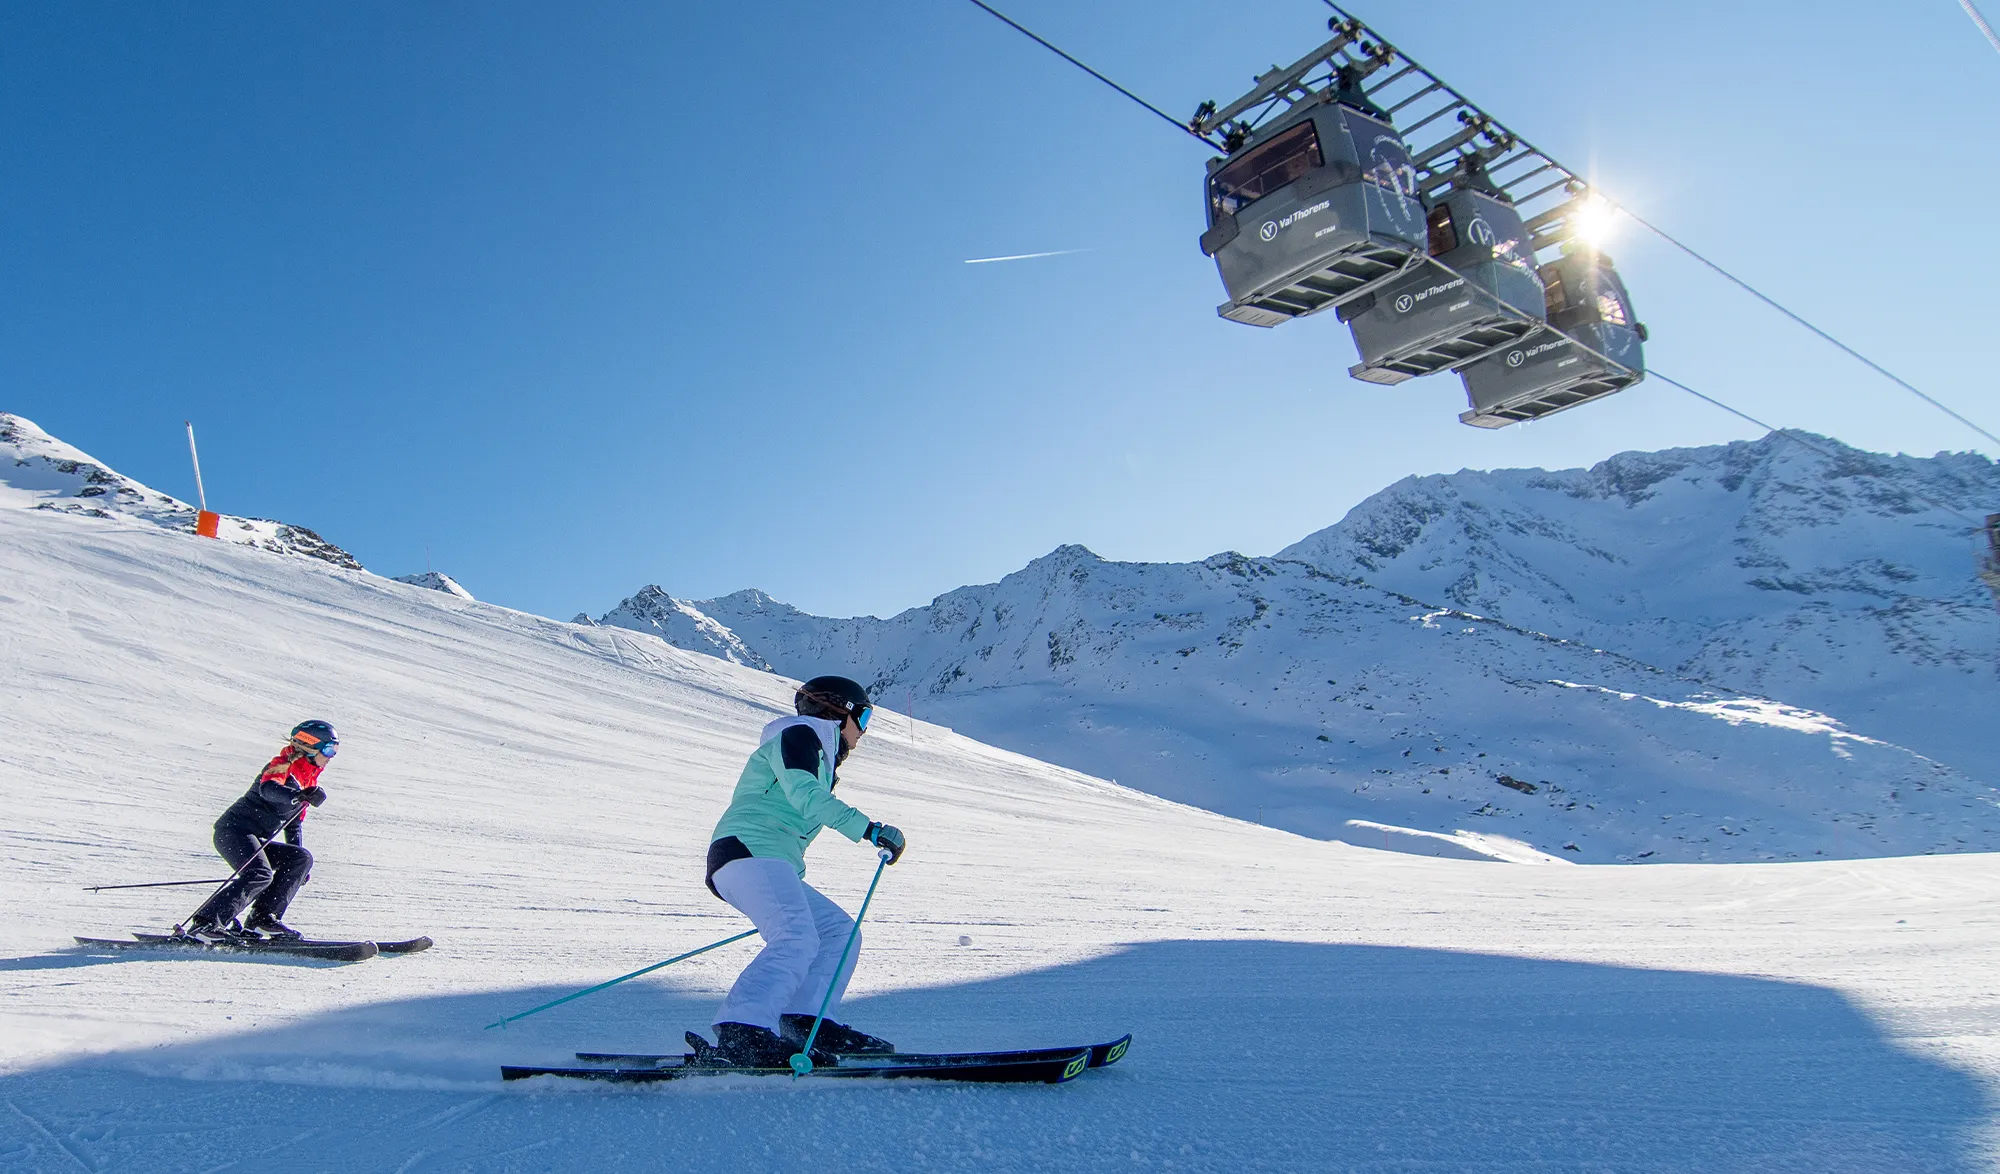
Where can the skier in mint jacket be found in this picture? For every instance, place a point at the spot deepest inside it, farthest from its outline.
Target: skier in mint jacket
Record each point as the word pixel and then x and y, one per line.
pixel 756 862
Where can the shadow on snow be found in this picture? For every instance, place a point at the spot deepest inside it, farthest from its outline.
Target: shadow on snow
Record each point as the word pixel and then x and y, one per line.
pixel 1250 1055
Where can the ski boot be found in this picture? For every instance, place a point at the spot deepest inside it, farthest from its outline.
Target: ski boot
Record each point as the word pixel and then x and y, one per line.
pixel 271 928
pixel 837 1038
pixel 745 1045
pixel 212 933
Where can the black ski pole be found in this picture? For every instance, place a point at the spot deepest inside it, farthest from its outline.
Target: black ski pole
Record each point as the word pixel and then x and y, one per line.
pixel 265 843
pixel 155 885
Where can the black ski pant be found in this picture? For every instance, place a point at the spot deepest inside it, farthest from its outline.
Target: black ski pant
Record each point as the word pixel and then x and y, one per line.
pixel 267 883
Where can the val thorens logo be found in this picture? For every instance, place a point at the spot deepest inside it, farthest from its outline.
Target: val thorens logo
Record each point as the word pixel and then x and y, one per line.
pixel 1515 358
pixel 1404 303
pixel 1271 227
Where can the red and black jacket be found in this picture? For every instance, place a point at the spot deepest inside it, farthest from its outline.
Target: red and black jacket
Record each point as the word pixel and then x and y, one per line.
pixel 277 798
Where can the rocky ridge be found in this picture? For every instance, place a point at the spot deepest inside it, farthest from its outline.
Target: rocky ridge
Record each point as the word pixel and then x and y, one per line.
pixel 46 474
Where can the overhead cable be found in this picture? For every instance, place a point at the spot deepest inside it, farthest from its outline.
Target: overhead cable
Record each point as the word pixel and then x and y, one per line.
pixel 1768 300
pixel 1176 123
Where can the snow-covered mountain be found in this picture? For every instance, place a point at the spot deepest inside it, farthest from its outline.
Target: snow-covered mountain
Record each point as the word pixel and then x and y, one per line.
pixel 1272 690
pixel 40 472
pixel 1793 567
pixel 656 613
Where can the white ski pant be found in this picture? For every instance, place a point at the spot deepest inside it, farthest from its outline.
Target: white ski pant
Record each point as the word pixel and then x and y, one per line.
pixel 803 933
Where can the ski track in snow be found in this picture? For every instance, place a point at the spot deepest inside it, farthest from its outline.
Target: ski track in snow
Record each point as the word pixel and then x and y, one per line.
pixel 537 797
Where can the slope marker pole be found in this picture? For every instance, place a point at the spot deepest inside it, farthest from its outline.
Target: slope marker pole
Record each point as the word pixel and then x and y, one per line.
pixel 206 524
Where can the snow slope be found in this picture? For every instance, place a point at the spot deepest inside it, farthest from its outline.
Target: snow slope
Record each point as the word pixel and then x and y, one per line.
pixel 1272 691
pixel 537 796
pixel 40 472
pixel 1792 567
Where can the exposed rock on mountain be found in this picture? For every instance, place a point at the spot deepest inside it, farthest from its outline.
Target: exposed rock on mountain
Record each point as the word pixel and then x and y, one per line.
pixel 44 473
pixel 655 612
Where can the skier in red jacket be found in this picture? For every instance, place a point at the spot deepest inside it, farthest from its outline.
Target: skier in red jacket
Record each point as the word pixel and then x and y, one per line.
pixel 269 874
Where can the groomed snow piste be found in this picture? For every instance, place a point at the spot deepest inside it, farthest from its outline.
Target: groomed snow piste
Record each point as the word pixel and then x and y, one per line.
pixel 536 795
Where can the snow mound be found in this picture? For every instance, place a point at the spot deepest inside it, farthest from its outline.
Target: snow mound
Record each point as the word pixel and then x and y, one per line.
pixel 1458 845
pixel 37 471
pixel 436 581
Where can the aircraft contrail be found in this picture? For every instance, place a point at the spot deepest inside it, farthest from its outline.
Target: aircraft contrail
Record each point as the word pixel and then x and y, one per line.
pixel 1980 21
pixel 1025 256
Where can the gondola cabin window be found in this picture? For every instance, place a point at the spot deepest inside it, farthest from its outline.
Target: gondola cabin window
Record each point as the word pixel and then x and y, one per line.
pixel 1555 298
pixel 1265 169
pixel 1444 235
pixel 1611 308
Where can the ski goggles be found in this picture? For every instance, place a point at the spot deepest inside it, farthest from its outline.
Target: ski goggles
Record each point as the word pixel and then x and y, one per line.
pixel 326 748
pixel 861 719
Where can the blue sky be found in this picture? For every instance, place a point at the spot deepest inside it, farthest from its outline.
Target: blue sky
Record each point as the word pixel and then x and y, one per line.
pixel 594 295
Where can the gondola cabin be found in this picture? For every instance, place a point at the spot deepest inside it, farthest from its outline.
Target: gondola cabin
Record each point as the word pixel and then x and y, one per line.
pixel 1315 210
pixel 1356 180
pixel 1483 292
pixel 1545 372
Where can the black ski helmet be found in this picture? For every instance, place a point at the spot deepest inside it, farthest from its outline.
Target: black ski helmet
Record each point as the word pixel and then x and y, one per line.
pixel 316 736
pixel 834 698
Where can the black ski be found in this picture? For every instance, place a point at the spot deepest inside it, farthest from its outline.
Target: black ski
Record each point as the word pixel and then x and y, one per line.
pixel 1059 1070
pixel 1100 1056
pixel 327 951
pixel 407 946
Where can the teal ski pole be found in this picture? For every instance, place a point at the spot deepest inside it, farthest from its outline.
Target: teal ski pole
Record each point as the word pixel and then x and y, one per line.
pixel 802 1062
pixel 636 973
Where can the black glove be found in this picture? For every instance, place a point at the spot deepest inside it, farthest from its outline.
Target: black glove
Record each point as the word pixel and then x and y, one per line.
pixel 887 838
pixel 314 795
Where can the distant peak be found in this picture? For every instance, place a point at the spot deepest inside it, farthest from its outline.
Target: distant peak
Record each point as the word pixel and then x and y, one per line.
pixel 682 624
pixel 436 581
pixel 1067 554
pixel 751 599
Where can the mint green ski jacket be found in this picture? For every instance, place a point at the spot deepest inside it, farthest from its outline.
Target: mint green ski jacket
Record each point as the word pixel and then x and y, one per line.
pixel 779 806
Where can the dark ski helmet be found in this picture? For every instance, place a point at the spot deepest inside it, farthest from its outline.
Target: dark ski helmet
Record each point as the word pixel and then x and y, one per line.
pixel 316 737
pixel 834 698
